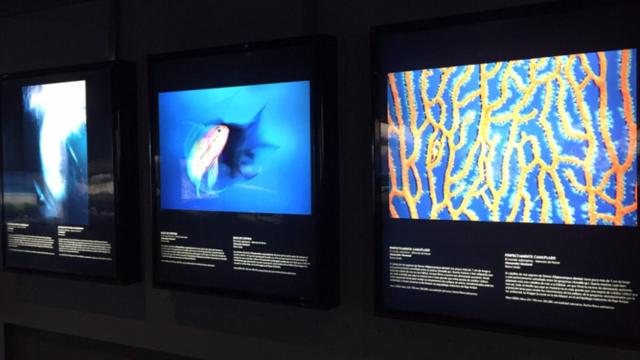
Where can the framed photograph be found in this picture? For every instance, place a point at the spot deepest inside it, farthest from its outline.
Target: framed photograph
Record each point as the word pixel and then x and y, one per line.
pixel 506 161
pixel 69 175
pixel 244 148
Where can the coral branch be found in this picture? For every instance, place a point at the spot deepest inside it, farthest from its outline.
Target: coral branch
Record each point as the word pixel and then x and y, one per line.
pixel 517 141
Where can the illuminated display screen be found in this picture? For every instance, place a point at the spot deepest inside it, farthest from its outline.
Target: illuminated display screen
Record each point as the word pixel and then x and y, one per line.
pixel 542 140
pixel 243 142
pixel 55 138
pixel 507 171
pixel 236 149
pixel 68 201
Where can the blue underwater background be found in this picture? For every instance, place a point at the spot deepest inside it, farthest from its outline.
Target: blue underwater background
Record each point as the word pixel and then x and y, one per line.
pixel 282 184
pixel 499 132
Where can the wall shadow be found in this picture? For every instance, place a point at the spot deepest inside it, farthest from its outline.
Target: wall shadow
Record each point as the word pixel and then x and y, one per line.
pixel 105 299
pixel 268 321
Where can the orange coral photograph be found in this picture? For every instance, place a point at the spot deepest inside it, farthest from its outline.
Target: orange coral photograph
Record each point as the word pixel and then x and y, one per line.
pixel 543 140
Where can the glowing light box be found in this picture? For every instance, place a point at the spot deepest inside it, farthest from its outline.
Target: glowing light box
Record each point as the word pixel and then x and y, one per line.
pixel 68 190
pixel 237 149
pixel 507 171
pixel 57 118
pixel 245 171
pixel 546 140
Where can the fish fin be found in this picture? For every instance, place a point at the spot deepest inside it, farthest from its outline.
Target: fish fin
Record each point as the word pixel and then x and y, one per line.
pixel 224 178
pixel 251 150
pixel 193 134
pixel 253 138
pixel 255 122
pixel 252 129
pixel 212 175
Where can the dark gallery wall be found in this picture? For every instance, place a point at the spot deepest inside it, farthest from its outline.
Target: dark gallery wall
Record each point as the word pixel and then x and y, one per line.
pixel 48 33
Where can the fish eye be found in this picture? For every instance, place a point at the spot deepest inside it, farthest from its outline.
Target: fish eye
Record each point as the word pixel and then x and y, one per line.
pixel 219 129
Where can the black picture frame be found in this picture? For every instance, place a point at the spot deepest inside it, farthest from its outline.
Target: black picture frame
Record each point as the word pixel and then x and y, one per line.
pixel 126 242
pixel 526 12
pixel 324 167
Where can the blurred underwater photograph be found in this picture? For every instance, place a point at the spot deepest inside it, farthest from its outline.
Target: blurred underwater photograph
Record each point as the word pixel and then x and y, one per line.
pixel 542 140
pixel 53 185
pixel 243 149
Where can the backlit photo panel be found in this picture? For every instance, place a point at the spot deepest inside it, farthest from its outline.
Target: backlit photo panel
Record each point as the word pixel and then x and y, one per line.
pixel 543 140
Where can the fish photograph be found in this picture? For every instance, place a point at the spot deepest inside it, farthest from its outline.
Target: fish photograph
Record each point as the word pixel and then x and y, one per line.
pixel 244 149
pixel 542 140
pixel 54 185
